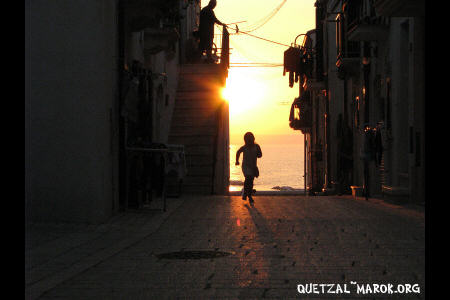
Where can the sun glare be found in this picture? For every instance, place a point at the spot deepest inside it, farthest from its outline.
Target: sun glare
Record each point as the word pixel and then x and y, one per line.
pixel 243 93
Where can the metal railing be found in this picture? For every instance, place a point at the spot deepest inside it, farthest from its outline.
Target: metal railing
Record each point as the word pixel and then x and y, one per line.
pixel 171 158
pixel 345 48
pixel 221 47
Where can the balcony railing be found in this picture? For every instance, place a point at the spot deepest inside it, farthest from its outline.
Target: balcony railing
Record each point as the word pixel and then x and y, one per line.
pixel 353 11
pixel 221 47
pixel 400 8
pixel 368 29
pixel 362 24
pixel 348 51
pixel 345 47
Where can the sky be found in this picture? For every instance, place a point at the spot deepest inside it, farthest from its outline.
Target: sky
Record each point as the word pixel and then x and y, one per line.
pixel 260 98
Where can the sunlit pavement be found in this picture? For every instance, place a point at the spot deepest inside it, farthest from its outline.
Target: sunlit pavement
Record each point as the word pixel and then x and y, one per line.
pixel 271 247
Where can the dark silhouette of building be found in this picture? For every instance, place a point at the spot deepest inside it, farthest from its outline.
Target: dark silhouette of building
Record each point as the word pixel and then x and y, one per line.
pixel 368 67
pixel 104 82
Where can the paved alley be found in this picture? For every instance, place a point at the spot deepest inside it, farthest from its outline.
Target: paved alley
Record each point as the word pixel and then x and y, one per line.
pixel 213 247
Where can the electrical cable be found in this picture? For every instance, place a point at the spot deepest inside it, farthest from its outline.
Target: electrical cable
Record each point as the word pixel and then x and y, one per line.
pixel 245 32
pixel 281 44
pixel 243 66
pixel 266 18
pixel 255 65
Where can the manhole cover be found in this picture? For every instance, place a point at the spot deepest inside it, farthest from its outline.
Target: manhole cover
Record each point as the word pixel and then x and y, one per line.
pixel 192 254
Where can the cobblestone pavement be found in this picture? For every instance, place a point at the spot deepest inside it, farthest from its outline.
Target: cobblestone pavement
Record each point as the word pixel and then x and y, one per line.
pixel 272 247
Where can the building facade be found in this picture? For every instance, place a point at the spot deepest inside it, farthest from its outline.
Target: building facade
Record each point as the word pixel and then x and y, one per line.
pixel 367 96
pixel 79 59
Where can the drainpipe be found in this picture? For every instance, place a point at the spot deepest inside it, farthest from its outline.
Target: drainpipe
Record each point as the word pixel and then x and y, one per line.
pixel 326 69
pixel 305 143
pixel 305 148
pixel 326 144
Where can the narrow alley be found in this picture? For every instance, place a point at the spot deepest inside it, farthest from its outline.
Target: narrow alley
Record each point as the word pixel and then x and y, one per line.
pixel 147 122
pixel 221 247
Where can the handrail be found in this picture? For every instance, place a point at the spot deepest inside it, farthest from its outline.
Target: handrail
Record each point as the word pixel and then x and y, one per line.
pixel 221 48
pixel 224 64
pixel 225 52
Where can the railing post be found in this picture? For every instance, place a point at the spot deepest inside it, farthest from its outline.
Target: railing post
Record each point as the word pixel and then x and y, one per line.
pixel 225 54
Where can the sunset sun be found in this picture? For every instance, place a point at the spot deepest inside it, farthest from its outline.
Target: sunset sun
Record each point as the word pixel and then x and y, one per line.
pixel 243 93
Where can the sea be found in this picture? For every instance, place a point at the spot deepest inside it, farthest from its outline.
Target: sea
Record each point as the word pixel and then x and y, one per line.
pixel 281 168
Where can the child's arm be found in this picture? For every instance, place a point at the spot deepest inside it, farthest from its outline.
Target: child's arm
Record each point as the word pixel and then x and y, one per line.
pixel 258 151
pixel 238 153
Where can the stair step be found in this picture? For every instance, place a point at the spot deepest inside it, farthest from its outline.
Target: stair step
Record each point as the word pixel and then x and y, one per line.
pixel 202 127
pixel 197 94
pixel 191 140
pixel 197 190
pixel 196 160
pixel 193 131
pixel 198 82
pixel 200 111
pixel 200 171
pixel 200 69
pixel 185 140
pixel 198 150
pixel 197 180
pixel 197 104
pixel 193 121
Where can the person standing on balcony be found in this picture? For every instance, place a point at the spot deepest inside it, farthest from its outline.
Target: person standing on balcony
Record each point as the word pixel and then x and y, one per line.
pixel 206 28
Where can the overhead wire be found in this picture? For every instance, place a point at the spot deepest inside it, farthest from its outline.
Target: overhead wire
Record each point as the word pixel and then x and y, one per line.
pixel 266 18
pixel 264 39
pixel 247 32
pixel 252 64
pixel 237 31
pixel 255 65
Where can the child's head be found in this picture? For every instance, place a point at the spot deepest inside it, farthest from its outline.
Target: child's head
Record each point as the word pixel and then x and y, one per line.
pixel 249 138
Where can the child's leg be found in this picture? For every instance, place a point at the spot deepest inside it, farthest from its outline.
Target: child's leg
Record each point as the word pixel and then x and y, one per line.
pixel 252 178
pixel 245 190
pixel 248 187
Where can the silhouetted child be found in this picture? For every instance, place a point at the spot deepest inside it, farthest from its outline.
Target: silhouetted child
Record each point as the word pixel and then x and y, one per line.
pixel 251 152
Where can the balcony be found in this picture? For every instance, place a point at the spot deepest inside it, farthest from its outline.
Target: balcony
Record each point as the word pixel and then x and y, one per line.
pixel 348 52
pixel 299 60
pixel 220 54
pixel 367 29
pixel 400 8
pixel 348 60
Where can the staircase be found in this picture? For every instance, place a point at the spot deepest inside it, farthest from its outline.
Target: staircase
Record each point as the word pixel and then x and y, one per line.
pixel 198 123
